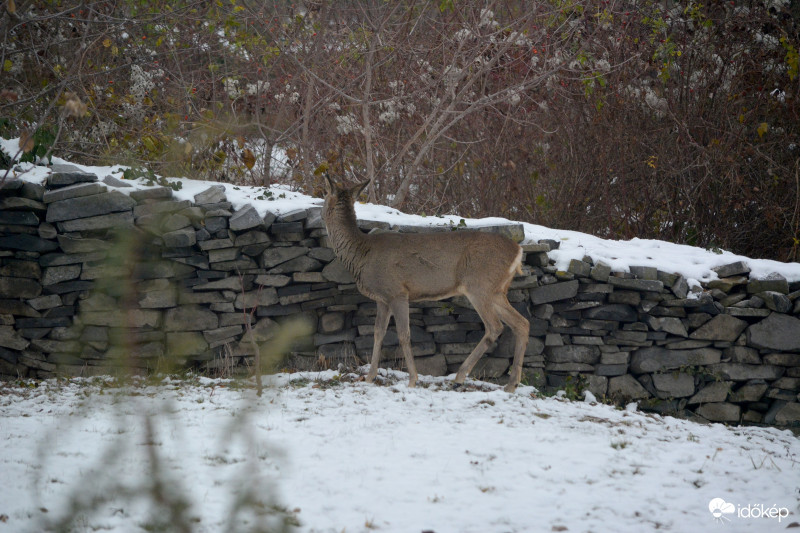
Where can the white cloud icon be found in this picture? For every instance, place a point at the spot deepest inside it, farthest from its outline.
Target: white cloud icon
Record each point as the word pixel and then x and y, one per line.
pixel 720 507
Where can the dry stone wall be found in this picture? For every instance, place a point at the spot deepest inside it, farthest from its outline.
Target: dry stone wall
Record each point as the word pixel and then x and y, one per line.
pixel 92 278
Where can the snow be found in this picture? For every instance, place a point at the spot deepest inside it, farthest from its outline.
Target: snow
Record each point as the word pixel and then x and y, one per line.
pixel 337 454
pixel 695 264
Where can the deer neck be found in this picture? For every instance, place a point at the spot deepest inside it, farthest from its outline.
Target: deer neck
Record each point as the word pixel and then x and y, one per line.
pixel 348 242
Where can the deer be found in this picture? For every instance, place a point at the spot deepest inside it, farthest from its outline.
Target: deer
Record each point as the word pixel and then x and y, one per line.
pixel 394 269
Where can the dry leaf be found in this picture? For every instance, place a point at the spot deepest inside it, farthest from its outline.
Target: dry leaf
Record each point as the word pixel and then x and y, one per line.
pixel 11 7
pixel 248 158
pixel 73 107
pixel 26 141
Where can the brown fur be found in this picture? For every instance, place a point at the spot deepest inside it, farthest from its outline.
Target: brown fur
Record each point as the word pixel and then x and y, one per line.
pixel 394 269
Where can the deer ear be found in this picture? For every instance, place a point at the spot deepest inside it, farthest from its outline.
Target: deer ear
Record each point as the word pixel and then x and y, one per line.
pixel 329 185
pixel 355 191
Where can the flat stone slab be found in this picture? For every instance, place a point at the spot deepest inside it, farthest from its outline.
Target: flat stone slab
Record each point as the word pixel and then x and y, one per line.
pixel 732 269
pixel 657 359
pixel 776 332
pixel 64 175
pixel 720 328
pixel 89 206
pixel 554 292
pixel 73 191
pixel 245 218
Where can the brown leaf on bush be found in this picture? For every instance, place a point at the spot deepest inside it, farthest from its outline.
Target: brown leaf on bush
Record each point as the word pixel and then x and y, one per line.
pixel 11 96
pixel 26 141
pixel 248 158
pixel 73 107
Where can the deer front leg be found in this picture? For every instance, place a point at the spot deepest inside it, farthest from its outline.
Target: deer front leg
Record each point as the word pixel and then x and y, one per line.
pixel 400 311
pixel 381 323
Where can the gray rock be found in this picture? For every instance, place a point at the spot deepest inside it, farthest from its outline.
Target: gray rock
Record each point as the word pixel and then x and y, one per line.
pixel 741 354
pixel 782 359
pixel 252 237
pixel 776 332
pixel 579 268
pixel 190 318
pixel 57 274
pixel 153 193
pixel 225 332
pixel 10 338
pixel 149 210
pixel 215 244
pixel 776 301
pixel 743 372
pixel 435 365
pixel 245 218
pixel 259 298
pixel 668 324
pixel 11 186
pixel 572 353
pixel 314 220
pixel 618 312
pixel 720 328
pixel 77 245
pixel 272 280
pixel 276 256
pixel 212 195
pixel 719 412
pixel 336 272
pixel 64 174
pixel 645 272
pixel 159 299
pixel 174 222
pixel 673 385
pixel 180 238
pixel 752 391
pixel 73 191
pixel 293 216
pixel 111 181
pixel 89 206
pixel 732 269
pixel 45 302
pixel 788 415
pixel 554 292
pixel 19 287
pixel 713 392
pixel 626 387
pixel 185 344
pixel 298 264
pixel 18 218
pixel 114 220
pixel 636 284
pixel 680 288
pixel 27 243
pixel 657 359
pixel 773 282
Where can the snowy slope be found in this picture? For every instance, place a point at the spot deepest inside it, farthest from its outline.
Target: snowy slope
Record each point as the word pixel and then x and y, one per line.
pixel 693 263
pixel 341 455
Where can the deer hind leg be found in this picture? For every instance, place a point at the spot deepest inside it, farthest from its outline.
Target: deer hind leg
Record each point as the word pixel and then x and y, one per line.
pixel 493 327
pixel 399 309
pixel 381 323
pixel 521 328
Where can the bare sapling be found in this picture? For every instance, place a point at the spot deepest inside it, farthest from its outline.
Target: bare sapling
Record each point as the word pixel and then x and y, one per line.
pixel 394 269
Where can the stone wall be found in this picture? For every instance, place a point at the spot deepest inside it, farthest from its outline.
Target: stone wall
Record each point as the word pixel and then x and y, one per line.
pixel 91 279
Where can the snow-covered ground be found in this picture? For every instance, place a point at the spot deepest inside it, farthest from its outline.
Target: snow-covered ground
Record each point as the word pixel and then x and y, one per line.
pixel 695 264
pixel 331 453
